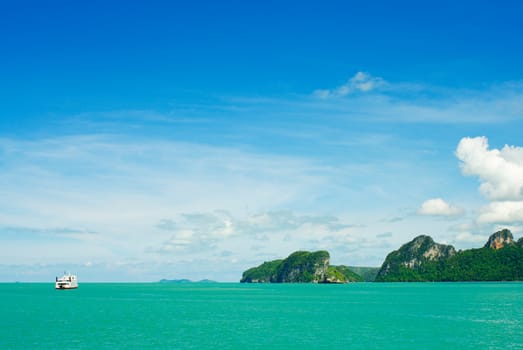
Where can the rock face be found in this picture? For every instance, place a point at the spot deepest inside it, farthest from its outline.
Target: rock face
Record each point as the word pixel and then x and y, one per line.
pixel 500 240
pixel 412 256
pixel 299 267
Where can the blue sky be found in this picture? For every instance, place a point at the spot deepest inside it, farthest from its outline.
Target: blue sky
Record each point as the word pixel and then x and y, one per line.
pixel 141 141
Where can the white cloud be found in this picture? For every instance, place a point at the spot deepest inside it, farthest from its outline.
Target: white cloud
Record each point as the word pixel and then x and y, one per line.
pixel 375 99
pixel 360 82
pixel 162 194
pixel 121 187
pixel 502 212
pixel 438 207
pixel 500 171
pixel 467 237
pixel 203 231
pixel 394 102
pixel 196 231
pixel 93 181
pixel 464 227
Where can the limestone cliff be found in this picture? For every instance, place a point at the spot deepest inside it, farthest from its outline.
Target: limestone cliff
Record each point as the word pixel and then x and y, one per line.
pixel 500 240
pixel 402 264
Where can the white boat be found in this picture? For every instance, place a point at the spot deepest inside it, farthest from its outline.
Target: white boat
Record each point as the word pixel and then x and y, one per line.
pixel 67 281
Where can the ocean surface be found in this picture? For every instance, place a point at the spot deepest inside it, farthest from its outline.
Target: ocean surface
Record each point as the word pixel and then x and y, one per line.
pixel 262 316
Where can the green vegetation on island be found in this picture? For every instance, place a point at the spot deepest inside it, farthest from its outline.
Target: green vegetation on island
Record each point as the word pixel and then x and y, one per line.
pixel 367 273
pixel 348 273
pixel 501 259
pixel 300 267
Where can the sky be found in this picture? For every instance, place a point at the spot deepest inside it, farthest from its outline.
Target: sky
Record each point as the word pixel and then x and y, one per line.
pixel 148 140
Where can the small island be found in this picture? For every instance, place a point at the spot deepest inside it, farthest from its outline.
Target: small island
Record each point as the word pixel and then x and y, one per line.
pixel 300 267
pixel 420 260
pixel 184 281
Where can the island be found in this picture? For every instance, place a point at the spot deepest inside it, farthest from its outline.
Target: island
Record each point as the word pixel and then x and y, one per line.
pixel 423 260
pixel 184 280
pixel 420 260
pixel 301 267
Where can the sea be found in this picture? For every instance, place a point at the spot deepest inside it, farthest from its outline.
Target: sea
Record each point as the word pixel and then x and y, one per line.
pixel 262 316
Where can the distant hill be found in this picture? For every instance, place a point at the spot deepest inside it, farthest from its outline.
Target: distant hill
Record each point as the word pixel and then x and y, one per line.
pixel 501 259
pixel 181 281
pixel 300 267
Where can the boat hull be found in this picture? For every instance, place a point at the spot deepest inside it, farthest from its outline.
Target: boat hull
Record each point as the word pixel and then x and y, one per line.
pixel 66 287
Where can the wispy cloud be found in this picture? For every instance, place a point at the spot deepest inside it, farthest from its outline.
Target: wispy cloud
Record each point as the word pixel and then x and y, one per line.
pixel 392 219
pixel 28 233
pixel 384 235
pixel 265 174
pixel 365 99
pixel 203 231
pixel 162 200
pixel 382 101
pixel 360 82
pixel 120 187
pixel 158 194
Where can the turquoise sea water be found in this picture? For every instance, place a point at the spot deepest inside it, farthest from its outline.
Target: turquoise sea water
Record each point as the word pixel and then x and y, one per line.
pixel 270 316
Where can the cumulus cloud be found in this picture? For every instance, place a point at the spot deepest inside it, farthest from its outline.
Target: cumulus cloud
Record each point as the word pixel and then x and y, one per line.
pixel 360 82
pixel 438 207
pixel 500 171
pixel 502 212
